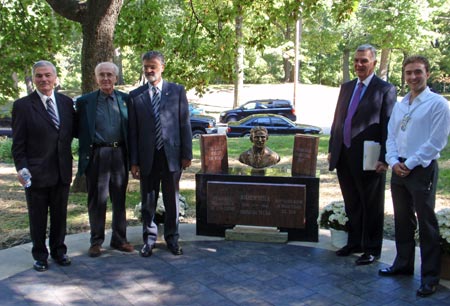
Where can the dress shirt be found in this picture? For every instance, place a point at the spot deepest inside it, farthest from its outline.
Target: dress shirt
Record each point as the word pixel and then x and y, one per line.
pixel 159 86
pixel 424 135
pixel 107 120
pixel 365 82
pixel 44 101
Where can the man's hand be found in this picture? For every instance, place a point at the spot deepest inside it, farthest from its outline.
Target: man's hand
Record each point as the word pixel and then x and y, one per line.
pixel 135 172
pixel 401 170
pixel 185 163
pixel 380 167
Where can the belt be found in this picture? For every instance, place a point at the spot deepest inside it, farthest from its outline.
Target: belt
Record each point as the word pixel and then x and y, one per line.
pixel 114 144
pixel 402 159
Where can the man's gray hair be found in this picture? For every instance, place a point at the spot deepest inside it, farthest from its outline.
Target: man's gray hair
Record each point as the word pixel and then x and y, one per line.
pixel 365 47
pixel 111 64
pixel 43 63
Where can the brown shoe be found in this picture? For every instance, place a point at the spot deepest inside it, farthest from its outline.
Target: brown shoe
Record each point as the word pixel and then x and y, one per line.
pixel 94 251
pixel 126 247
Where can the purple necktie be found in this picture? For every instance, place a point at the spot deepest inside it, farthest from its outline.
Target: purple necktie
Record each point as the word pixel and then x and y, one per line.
pixel 351 111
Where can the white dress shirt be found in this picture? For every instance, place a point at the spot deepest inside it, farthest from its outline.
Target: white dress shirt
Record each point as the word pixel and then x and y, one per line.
pixel 424 135
pixel 44 101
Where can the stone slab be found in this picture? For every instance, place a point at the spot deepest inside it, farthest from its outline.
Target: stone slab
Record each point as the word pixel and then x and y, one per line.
pixel 304 155
pixel 213 153
pixel 263 204
pixel 256 234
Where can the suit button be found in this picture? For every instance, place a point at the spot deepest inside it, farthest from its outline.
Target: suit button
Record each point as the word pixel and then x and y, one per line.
pixel 91 145
pixel 87 157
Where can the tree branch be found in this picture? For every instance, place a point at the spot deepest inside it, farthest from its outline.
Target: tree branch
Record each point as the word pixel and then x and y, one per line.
pixel 71 9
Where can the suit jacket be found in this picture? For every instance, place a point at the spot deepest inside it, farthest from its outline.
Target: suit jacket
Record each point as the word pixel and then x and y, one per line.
pixel 369 121
pixel 175 124
pixel 86 114
pixel 38 145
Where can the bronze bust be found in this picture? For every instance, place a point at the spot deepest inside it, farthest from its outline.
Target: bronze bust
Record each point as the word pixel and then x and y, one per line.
pixel 259 156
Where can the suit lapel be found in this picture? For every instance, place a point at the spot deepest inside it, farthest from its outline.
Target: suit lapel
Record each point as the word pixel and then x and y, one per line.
pixel 91 109
pixel 39 107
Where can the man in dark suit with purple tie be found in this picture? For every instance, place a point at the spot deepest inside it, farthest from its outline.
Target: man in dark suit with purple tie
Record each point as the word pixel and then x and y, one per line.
pixel 43 126
pixel 160 143
pixel 362 113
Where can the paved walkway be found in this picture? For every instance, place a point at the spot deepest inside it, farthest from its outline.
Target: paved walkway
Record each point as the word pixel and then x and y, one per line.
pixel 212 272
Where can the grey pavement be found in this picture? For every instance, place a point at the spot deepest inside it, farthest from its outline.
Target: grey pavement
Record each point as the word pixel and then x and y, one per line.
pixel 212 271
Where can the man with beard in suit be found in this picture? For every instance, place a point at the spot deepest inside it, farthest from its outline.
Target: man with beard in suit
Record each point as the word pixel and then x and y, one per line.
pixel 160 148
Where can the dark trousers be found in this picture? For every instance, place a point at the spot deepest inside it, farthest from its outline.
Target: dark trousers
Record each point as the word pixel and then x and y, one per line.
pixel 363 193
pixel 150 185
pixel 106 175
pixel 416 194
pixel 40 202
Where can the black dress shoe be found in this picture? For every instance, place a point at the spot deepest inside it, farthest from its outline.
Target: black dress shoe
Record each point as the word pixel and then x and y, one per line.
pixel 40 266
pixel 366 259
pixel 347 251
pixel 391 271
pixel 426 290
pixel 63 260
pixel 147 250
pixel 175 249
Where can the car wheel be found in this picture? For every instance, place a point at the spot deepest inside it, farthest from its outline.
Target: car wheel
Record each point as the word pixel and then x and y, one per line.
pixel 197 133
pixel 232 119
pixel 246 135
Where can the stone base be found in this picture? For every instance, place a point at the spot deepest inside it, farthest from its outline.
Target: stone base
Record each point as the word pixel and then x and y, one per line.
pixel 256 234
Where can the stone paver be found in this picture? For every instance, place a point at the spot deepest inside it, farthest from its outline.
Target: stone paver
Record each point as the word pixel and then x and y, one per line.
pixel 215 273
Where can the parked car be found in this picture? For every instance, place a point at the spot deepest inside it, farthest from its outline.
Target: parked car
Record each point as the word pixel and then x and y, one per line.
pixel 5 127
pixel 195 110
pixel 275 125
pixel 264 106
pixel 201 124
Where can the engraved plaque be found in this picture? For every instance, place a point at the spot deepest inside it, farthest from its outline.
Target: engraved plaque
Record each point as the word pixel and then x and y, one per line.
pixel 280 205
pixel 304 155
pixel 214 154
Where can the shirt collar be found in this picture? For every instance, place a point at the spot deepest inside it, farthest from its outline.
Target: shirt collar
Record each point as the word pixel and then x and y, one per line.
pixel 367 80
pixel 44 97
pixel 159 85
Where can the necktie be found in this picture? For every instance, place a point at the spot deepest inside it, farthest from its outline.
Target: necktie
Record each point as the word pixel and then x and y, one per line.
pixel 351 111
pixel 52 112
pixel 156 99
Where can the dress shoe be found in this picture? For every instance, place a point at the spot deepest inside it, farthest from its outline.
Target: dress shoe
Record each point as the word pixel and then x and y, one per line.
pixel 125 247
pixel 426 290
pixel 366 259
pixel 40 266
pixel 63 260
pixel 147 250
pixel 391 271
pixel 94 251
pixel 175 249
pixel 347 251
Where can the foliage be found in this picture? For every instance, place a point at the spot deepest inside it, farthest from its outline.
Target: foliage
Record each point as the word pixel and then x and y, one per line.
pixel 5 150
pixel 443 218
pixel 333 216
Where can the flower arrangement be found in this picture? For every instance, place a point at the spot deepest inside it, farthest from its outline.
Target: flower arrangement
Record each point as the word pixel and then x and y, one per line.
pixel 333 216
pixel 443 218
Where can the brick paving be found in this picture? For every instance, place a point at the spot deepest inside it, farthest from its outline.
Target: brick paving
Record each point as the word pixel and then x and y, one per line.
pixel 215 273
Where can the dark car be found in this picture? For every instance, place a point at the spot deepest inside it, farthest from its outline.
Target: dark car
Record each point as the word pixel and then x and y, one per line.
pixel 5 127
pixel 267 106
pixel 201 124
pixel 275 125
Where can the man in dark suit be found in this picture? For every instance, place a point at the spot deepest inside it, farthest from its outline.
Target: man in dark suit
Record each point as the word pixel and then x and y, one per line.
pixel 160 148
pixel 102 133
pixel 43 125
pixel 362 113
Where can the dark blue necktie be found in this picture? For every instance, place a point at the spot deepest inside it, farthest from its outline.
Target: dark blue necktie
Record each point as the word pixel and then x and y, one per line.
pixel 51 111
pixel 351 111
pixel 156 99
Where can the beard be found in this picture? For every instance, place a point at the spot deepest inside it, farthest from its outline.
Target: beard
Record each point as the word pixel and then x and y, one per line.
pixel 151 78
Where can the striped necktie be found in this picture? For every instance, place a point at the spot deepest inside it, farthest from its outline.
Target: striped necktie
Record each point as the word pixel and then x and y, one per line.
pixel 156 99
pixel 52 112
pixel 351 111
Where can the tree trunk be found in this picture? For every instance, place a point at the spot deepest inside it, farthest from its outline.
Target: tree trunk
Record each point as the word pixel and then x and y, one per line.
pixel 239 60
pixel 98 20
pixel 118 62
pixel 384 64
pixel 346 66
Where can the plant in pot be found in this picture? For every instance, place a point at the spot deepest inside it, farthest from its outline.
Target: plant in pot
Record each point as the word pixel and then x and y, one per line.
pixel 443 218
pixel 334 218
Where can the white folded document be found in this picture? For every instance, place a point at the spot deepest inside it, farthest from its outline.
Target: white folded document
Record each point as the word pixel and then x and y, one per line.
pixel 371 154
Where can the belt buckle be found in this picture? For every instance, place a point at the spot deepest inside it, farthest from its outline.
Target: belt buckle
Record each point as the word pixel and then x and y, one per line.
pixel 115 144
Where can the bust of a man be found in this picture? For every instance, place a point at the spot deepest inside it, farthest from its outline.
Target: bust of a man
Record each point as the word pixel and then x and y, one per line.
pixel 259 156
